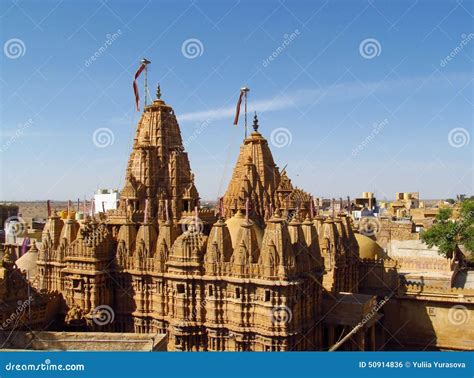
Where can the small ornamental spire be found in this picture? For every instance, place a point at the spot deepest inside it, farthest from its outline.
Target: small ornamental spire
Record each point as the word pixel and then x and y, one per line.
pixel 255 122
pixel 158 92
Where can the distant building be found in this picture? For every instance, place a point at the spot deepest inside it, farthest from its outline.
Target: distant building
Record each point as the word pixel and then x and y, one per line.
pixel 367 200
pixel 404 202
pixel 7 211
pixel 106 200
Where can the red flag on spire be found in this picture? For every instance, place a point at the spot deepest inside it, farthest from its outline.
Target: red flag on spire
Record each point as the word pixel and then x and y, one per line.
pixel 135 87
pixel 237 110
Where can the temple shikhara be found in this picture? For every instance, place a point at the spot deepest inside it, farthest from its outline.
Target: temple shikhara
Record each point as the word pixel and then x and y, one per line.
pixel 266 270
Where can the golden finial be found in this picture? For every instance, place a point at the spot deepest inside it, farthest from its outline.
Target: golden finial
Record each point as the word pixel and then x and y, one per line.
pixel 255 122
pixel 158 92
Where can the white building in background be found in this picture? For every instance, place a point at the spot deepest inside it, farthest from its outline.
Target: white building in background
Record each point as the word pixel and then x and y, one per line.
pixel 106 200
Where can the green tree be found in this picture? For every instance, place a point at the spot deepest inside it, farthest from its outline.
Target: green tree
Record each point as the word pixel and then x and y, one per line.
pixel 447 233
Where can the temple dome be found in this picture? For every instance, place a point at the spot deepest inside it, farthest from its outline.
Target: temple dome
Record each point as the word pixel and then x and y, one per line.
pixel 27 262
pixel 368 248
pixel 234 225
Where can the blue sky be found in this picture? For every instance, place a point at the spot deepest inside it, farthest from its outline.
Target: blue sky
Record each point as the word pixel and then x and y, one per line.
pixel 358 95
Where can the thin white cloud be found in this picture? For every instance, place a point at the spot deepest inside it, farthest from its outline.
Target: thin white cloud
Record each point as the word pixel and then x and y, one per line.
pixel 336 93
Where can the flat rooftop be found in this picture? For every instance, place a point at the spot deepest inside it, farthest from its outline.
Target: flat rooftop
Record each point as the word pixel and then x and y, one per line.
pixel 89 341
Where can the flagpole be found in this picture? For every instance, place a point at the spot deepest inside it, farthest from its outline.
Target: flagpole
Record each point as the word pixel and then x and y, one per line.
pixel 146 62
pixel 245 90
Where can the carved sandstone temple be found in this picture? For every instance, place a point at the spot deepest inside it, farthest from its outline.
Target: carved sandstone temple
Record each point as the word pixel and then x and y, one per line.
pixel 250 278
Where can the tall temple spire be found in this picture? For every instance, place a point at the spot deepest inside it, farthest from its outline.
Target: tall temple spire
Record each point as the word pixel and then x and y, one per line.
pixel 158 168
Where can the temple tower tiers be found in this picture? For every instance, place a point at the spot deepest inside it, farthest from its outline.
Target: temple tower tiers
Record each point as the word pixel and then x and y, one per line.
pixel 158 169
pixel 256 177
pixel 251 279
